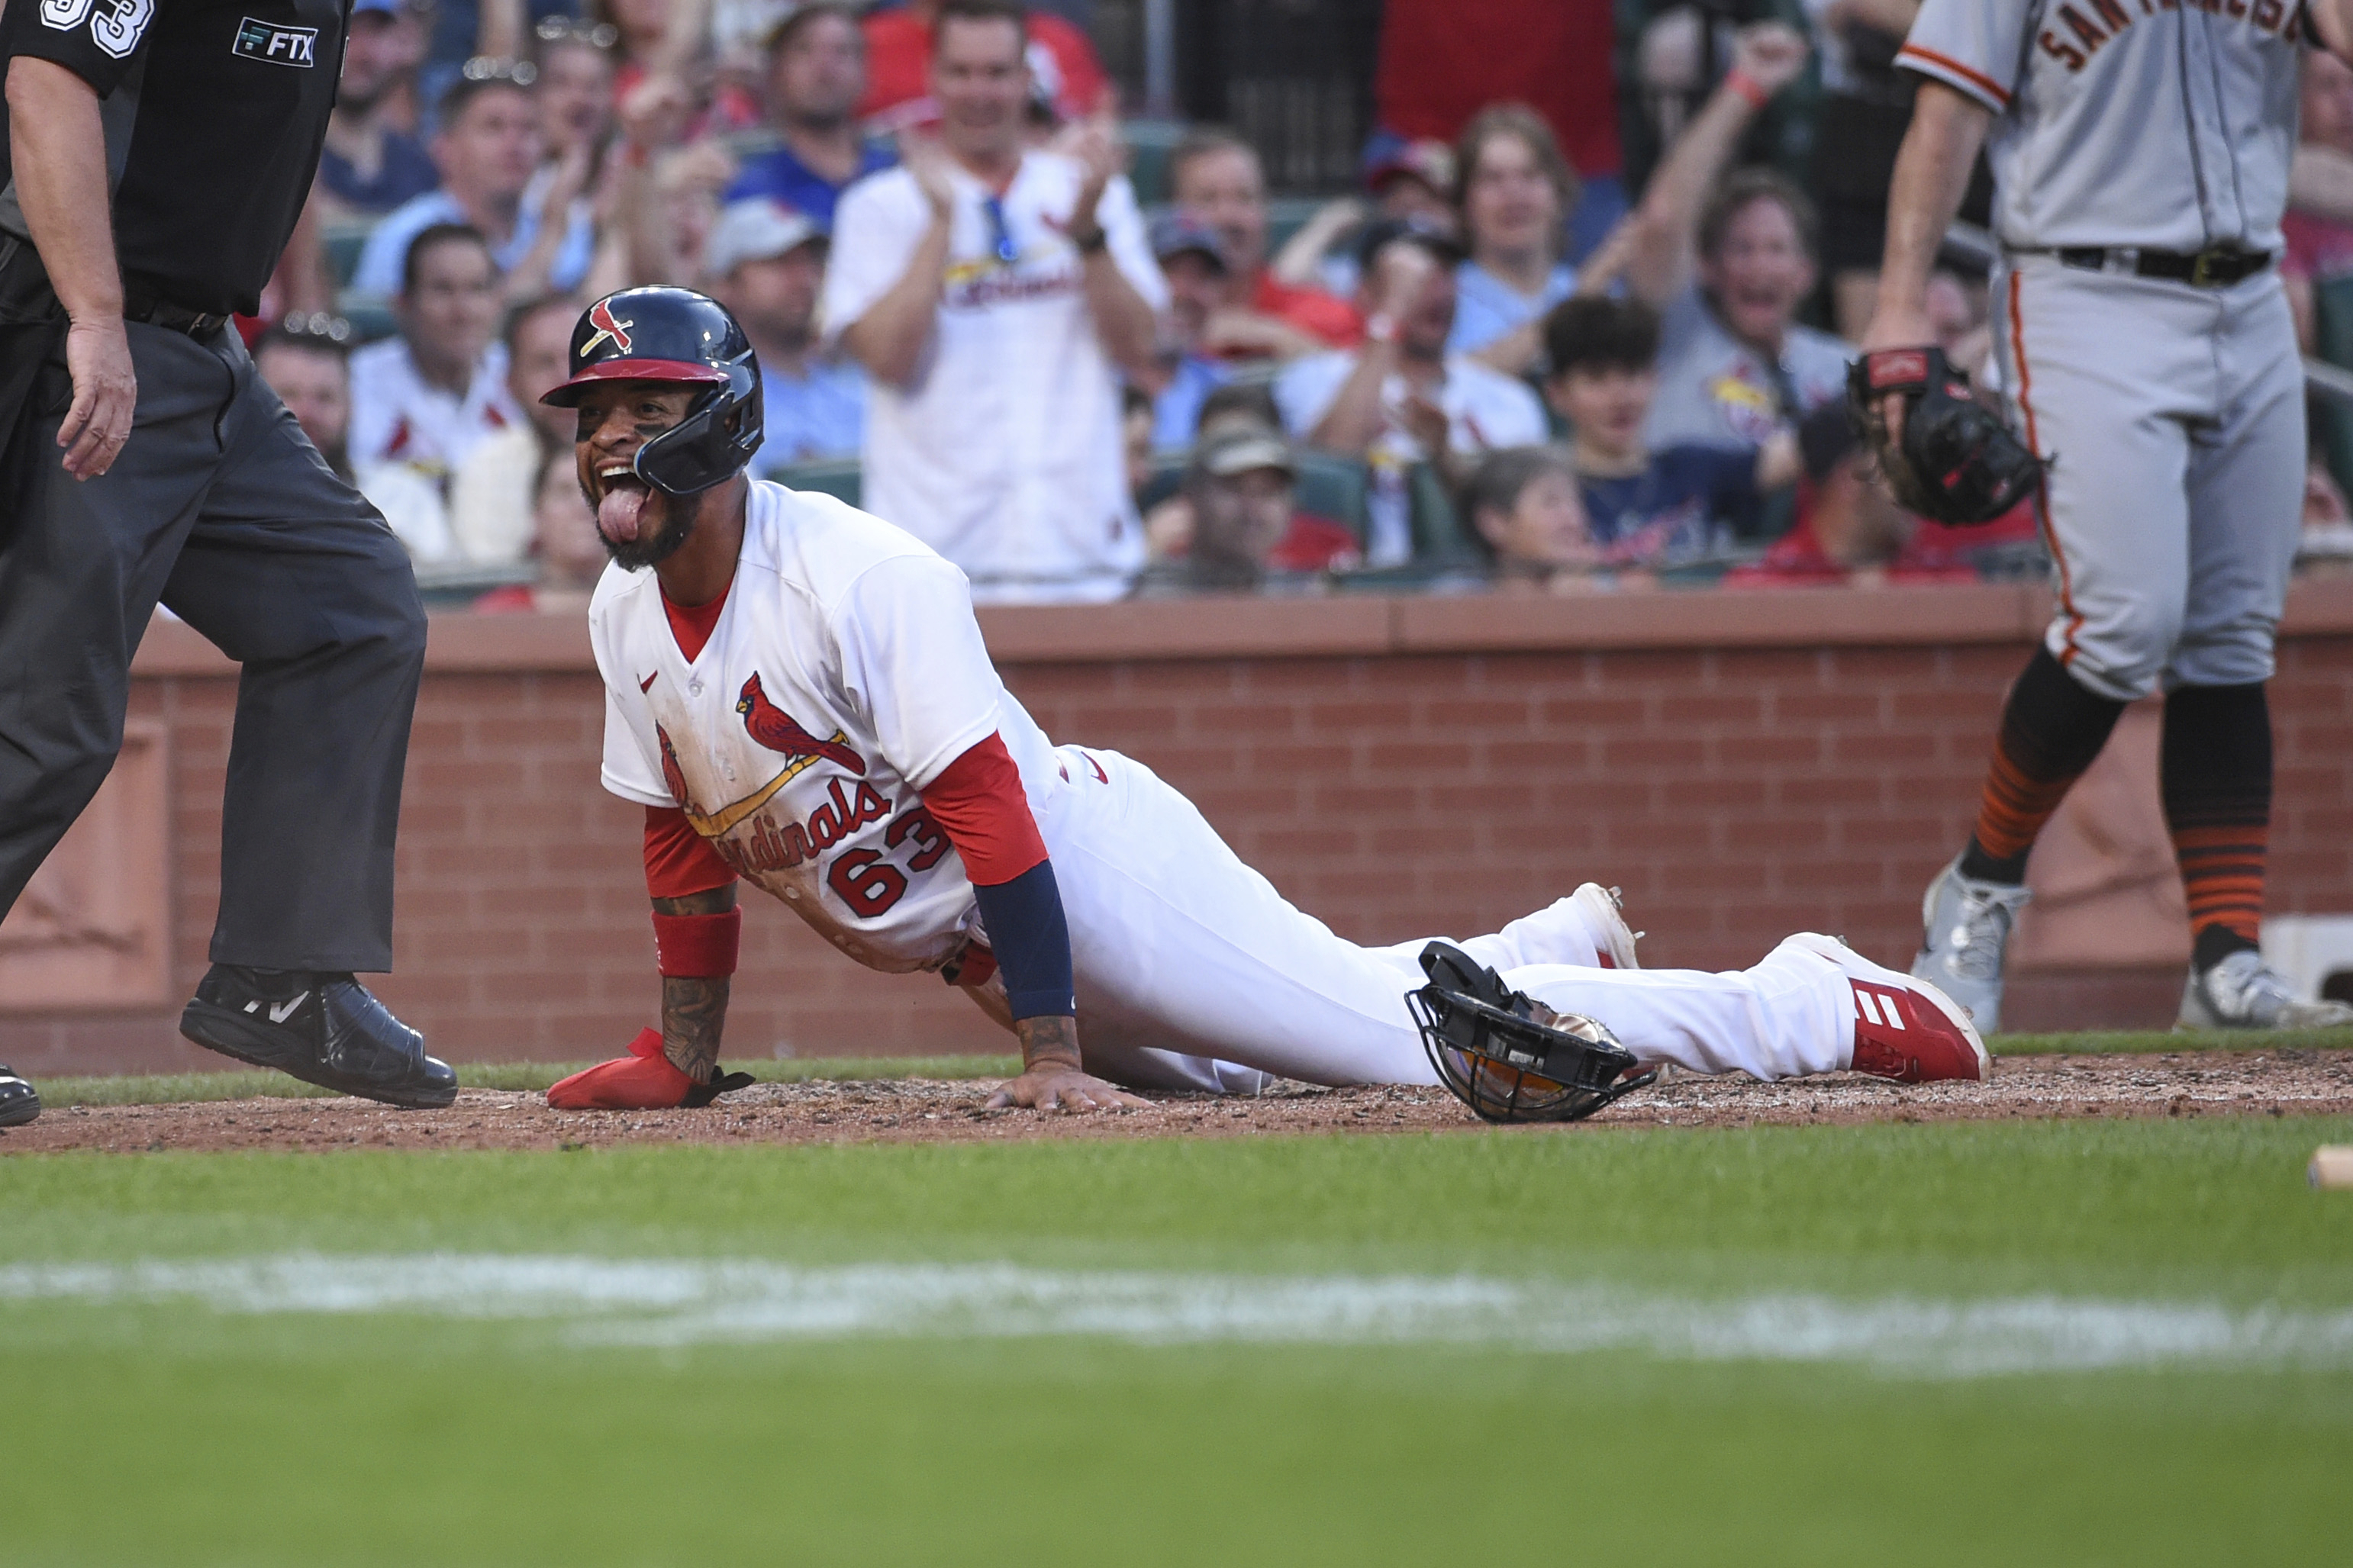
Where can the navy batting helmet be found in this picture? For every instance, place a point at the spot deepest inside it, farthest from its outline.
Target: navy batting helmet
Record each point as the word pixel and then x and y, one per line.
pixel 678 336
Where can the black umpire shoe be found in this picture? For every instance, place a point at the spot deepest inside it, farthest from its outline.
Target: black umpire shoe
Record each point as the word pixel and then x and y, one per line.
pixel 19 1104
pixel 322 1028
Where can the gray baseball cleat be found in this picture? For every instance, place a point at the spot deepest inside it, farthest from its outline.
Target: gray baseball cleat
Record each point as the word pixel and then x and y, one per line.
pixel 1965 927
pixel 2242 992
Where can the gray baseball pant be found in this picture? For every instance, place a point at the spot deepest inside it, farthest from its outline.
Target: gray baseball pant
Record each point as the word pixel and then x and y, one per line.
pixel 219 506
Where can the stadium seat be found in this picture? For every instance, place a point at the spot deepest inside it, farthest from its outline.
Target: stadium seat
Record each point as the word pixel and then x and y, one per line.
pixel 836 477
pixel 1333 487
pixel 1438 526
pixel 341 239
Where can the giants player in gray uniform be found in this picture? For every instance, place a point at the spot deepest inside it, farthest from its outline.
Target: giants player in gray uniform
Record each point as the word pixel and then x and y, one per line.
pixel 2140 157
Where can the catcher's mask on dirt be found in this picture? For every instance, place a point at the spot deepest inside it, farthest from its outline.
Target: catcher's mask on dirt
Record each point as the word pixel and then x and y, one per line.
pixel 678 336
pixel 1490 1050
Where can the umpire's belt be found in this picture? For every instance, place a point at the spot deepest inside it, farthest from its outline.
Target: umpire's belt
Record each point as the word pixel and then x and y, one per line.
pixel 138 305
pixel 2216 269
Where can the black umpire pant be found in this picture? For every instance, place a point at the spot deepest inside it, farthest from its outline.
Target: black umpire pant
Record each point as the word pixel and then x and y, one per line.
pixel 219 506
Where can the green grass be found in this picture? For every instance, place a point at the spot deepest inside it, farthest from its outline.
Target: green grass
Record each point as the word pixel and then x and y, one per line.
pixel 170 1433
pixel 182 1088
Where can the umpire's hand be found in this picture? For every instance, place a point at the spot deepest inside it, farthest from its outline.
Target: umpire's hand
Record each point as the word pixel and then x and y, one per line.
pixel 105 392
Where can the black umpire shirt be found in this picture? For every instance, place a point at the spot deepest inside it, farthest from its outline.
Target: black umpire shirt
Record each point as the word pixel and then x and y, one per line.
pixel 215 111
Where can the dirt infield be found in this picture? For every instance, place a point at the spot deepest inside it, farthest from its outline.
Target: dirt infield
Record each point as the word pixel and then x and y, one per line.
pixel 930 1111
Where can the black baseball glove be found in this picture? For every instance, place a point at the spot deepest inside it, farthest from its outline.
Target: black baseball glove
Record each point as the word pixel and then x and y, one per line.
pixel 1508 1058
pixel 1957 461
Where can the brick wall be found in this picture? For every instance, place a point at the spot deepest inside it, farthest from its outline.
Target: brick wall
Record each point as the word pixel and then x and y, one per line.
pixel 1400 768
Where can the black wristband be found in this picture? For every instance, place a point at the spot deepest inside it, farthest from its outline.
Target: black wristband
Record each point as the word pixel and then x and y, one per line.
pixel 1091 241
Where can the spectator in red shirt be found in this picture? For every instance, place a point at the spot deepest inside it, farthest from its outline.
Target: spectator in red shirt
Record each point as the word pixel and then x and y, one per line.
pixel 1850 531
pixel 1217 180
pixel 898 60
pixel 2319 246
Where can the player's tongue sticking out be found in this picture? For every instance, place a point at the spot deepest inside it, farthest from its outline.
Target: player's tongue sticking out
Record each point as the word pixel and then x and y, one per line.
pixel 618 514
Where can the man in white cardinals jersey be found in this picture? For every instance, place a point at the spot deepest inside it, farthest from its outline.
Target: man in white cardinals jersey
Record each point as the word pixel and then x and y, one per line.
pixel 2140 157
pixel 798 695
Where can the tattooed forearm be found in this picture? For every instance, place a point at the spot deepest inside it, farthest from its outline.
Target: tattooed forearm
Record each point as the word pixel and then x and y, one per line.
pixel 1048 1039
pixel 694 1011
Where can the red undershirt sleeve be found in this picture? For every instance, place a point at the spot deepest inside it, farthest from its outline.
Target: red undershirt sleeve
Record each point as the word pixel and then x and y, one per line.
pixel 678 860
pixel 979 803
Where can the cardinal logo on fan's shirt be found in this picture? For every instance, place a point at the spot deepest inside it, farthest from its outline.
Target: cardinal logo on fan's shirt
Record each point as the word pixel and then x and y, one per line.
pixel 600 316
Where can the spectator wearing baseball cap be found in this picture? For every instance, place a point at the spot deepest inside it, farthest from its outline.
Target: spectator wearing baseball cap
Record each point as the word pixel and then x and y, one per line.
pixel 766 263
pixel 817 74
pixel 1412 180
pixel 1241 531
pixel 1193 259
pixel 371 161
pixel 1402 398
pixel 1217 179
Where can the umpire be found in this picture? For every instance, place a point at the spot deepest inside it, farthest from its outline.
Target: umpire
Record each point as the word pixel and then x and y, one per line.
pixel 141 459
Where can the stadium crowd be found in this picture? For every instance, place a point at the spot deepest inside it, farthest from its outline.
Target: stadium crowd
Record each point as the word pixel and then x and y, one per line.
pixel 1505 363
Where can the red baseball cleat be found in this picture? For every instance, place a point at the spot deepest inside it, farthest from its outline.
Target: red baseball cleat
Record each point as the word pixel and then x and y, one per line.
pixel 1905 1029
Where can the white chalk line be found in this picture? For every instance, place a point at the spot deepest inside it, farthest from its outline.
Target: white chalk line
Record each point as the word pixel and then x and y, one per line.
pixel 685 1301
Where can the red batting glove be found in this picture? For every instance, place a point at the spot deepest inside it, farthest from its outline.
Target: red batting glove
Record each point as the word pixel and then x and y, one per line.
pixel 642 1081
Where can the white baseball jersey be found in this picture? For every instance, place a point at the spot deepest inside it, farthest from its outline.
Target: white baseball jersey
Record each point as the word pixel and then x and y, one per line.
pixel 845 673
pixel 2159 123
pixel 399 416
pixel 1005 454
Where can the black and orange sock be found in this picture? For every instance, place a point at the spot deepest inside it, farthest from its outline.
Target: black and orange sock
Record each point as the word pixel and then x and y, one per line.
pixel 2215 774
pixel 2051 728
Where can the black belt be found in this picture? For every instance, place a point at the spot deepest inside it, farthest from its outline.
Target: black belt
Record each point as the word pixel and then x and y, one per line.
pixel 2204 270
pixel 171 318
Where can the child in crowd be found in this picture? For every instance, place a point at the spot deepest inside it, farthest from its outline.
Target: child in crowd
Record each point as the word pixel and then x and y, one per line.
pixel 1647 508
pixel 1527 514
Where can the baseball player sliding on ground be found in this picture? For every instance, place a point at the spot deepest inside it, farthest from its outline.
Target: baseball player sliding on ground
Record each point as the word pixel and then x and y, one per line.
pixel 2140 154
pixel 798 695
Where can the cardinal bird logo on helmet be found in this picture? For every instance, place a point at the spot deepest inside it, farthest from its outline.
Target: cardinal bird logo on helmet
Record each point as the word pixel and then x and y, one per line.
pixel 600 316
pixel 774 729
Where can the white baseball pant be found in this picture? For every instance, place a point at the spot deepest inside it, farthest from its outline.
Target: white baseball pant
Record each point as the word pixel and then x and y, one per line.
pixel 1193 973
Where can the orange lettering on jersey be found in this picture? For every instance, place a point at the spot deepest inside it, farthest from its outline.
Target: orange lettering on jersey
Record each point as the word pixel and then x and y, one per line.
pixel 2113 13
pixel 2081 25
pixel 2236 8
pixel 2066 54
pixel 2269 14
